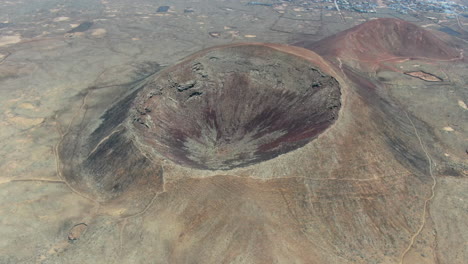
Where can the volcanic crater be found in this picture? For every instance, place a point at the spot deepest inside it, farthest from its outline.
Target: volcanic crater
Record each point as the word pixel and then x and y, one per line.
pixel 234 106
pixel 360 193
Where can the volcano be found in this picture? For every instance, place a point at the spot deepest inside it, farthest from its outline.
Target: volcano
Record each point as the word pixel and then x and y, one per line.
pixel 265 153
pixel 382 39
pixel 235 105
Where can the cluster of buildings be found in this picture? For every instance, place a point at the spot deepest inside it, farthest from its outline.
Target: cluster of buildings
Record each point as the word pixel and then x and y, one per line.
pixel 349 5
pixel 354 6
pixel 401 6
pixel 435 6
pixel 448 7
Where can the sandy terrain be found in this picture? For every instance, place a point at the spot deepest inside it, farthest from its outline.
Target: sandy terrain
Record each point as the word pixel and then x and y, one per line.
pixel 386 183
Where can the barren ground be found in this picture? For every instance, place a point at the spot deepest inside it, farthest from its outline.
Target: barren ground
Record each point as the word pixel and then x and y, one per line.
pixel 387 183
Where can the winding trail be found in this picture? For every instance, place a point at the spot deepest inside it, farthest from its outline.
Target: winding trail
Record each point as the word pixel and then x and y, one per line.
pixel 426 202
pixel 62 178
pixel 57 155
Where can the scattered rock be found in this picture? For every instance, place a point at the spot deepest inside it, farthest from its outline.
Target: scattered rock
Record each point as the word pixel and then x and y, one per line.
pixel 162 9
pixel 77 231
pixel 195 94
pixel 316 84
pixel 27 106
pixel 199 69
pixel 99 32
pixel 186 86
pixel 214 34
pixel 82 27
pixel 428 77
pixel 234 33
pixel 462 104
pixel 60 19
pixel 189 10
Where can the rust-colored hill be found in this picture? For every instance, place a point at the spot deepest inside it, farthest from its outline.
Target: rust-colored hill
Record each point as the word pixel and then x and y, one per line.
pixel 251 153
pixel 384 39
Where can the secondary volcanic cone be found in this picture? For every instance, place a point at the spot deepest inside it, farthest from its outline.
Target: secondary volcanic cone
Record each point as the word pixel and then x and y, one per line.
pixel 383 39
pixel 235 105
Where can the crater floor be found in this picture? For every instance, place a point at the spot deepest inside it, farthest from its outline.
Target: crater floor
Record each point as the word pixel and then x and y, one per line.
pixel 234 106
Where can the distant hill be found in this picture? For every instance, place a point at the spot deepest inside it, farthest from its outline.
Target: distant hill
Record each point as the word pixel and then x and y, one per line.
pixel 382 39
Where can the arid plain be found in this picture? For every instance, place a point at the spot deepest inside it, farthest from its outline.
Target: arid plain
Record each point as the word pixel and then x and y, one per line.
pixel 376 173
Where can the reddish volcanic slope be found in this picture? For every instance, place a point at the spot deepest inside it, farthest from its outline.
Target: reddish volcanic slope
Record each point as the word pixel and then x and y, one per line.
pixel 236 105
pixel 382 39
